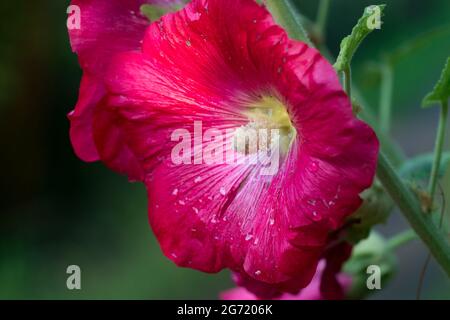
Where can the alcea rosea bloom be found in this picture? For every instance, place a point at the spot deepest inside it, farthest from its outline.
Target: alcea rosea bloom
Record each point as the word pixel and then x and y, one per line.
pixel 107 27
pixel 227 65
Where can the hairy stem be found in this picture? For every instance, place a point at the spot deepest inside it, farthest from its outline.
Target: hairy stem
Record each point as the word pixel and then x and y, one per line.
pixel 422 223
pixel 347 78
pixel 284 14
pixel 440 138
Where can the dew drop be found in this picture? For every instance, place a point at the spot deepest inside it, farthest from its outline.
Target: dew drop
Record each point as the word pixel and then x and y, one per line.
pixel 272 222
pixel 316 216
pixel 223 191
pixel 314 166
pixel 188 43
pixel 248 237
pixel 258 273
pixel 182 202
pixel 256 241
pixel 198 179
pixel 175 192
pixel 174 255
pixel 195 210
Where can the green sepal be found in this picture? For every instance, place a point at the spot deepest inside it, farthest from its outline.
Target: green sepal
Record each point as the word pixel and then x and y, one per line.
pixel 372 251
pixel 376 207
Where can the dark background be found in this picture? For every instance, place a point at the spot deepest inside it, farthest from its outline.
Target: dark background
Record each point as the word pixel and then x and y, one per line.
pixel 56 210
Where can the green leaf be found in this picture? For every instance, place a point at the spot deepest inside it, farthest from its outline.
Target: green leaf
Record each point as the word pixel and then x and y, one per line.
pixel 154 12
pixel 363 28
pixel 441 91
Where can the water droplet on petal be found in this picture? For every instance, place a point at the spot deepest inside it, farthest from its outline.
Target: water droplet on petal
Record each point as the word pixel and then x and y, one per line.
pixel 175 192
pixel 223 191
pixel 188 43
pixel 258 272
pixel 316 216
pixel 198 179
pixel 256 241
pixel 182 202
pixel 248 237
pixel 272 222
pixel 314 166
pixel 195 210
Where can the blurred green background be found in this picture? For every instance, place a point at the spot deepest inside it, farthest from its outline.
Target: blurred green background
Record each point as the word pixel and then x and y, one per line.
pixel 56 211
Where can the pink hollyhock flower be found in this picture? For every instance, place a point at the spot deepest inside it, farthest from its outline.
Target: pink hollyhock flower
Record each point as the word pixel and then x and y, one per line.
pixel 311 292
pixel 106 27
pixel 227 65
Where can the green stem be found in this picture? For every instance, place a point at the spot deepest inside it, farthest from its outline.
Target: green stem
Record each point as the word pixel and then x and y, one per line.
pixel 422 223
pixel 440 138
pixel 322 16
pixel 347 78
pixel 401 239
pixel 284 14
pixel 387 87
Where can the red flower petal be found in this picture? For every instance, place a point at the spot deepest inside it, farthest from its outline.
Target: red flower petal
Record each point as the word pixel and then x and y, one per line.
pixel 106 28
pixel 206 63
